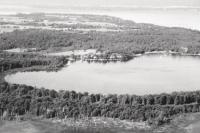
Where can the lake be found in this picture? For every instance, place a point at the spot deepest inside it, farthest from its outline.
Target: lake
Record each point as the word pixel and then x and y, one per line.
pixel 148 74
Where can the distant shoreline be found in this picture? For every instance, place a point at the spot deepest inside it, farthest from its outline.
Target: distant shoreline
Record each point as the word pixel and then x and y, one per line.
pixel 156 16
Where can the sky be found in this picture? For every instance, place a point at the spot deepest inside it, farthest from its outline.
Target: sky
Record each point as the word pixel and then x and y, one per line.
pixel 151 3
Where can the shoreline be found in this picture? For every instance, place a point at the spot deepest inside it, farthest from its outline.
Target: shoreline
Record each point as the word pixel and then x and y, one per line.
pixel 46 69
pixel 56 69
pixel 110 14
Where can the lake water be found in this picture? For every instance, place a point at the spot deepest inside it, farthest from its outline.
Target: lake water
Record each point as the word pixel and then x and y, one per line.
pixel 148 74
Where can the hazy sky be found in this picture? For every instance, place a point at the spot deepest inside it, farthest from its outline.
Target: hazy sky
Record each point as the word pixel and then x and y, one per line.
pixel 154 3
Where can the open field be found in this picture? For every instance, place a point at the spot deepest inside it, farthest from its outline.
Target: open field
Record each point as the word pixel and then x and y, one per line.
pixel 60 22
pixel 48 127
pixel 185 123
pixel 28 127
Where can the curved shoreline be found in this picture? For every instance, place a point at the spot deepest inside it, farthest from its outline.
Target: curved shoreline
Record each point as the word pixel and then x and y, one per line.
pixel 62 87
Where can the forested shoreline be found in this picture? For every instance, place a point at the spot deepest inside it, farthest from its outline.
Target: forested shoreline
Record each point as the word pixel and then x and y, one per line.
pixel 129 42
pixel 10 61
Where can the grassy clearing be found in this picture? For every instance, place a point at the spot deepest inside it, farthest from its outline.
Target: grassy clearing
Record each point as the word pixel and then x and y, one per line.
pixel 18 127
pixel 29 127
pixel 102 124
pixel 37 126
pixel 1 123
pixel 184 123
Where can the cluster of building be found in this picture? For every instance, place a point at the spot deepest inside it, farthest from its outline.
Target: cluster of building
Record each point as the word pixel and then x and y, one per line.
pixel 101 57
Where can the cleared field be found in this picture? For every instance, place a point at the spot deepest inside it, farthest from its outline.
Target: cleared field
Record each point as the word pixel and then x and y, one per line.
pixel 48 127
pixel 18 127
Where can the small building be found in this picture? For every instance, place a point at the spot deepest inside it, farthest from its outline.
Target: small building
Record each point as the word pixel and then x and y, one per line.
pixel 95 57
pixel 116 56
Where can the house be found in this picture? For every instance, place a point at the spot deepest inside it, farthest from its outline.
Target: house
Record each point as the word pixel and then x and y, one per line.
pixel 72 58
pixel 115 56
pixel 119 56
pixel 95 57
pixel 184 49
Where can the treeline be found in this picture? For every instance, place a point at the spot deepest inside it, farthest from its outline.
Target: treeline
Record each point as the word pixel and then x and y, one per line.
pixel 10 61
pixel 156 109
pixel 40 17
pixel 145 39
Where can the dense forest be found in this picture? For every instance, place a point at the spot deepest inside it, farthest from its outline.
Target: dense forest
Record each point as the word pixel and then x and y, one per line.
pixel 130 41
pixel 9 61
pixel 156 109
